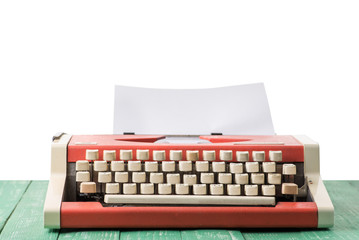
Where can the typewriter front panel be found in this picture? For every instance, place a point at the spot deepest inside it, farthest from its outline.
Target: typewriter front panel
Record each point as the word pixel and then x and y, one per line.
pixel 283 215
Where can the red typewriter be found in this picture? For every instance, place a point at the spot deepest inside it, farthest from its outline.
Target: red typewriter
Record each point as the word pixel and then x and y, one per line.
pixel 214 181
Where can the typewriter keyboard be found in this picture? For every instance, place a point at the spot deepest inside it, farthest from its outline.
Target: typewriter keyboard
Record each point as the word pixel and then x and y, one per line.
pixel 187 180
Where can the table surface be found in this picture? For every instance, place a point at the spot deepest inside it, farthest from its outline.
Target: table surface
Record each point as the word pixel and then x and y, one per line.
pixel 21 217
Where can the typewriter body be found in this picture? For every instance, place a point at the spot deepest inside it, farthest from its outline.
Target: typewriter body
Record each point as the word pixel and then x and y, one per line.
pixel 213 181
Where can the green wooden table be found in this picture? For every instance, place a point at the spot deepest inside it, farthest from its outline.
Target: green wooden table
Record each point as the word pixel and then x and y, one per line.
pixel 21 217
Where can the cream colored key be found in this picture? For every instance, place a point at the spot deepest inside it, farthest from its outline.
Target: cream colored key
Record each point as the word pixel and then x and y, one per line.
pixel 129 188
pixel 185 166
pixel 258 156
pixel 209 155
pixel 121 177
pixel 225 155
pixel 257 178
pixel 252 167
pixel 289 169
pixel 82 165
pixel 241 178
pixel 251 190
pixel 83 176
pixel 138 177
pixel 156 177
pixel 225 178
pixel 142 154
pixel 159 155
pixel 112 188
pixel 268 167
pixel 207 178
pixel 189 179
pixel 192 155
pixel 151 166
pixel 164 188
pixel 242 156
pixel 168 166
pixel 91 154
pixel 218 166
pixel 290 188
pixel 268 190
pixel 104 177
pixel 202 166
pixel 275 156
pixel 109 155
pixel 216 189
pixel 274 178
pixel 176 155
pixel 126 154
pixel 182 189
pixel 88 187
pixel 147 188
pixel 233 189
pixel 173 178
pixel 236 167
pixel 199 189
pixel 100 166
pixel 134 166
pixel 117 166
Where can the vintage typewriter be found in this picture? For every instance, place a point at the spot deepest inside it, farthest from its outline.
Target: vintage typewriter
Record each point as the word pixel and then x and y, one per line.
pixel 213 181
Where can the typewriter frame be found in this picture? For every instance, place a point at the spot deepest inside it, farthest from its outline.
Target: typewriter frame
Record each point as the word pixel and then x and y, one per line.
pixel 316 214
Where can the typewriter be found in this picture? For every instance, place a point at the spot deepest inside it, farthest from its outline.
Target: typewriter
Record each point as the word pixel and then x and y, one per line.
pixel 212 181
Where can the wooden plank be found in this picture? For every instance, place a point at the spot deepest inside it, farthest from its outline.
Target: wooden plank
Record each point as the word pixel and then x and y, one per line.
pixel 10 194
pixel 26 222
pixel 96 234
pixel 151 234
pixel 207 234
pixel 355 184
pixel 344 195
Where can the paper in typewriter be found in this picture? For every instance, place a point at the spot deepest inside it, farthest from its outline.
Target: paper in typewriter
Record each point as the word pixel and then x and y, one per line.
pixel 235 110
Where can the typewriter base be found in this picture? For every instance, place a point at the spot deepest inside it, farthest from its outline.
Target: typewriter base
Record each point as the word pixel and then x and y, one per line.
pixel 283 215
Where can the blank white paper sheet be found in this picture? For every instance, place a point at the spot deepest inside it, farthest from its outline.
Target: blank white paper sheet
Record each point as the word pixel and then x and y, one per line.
pixel 235 110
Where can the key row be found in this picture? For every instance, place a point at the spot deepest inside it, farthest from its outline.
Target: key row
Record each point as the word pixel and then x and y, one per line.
pixel 191 155
pixel 185 189
pixel 176 178
pixel 185 166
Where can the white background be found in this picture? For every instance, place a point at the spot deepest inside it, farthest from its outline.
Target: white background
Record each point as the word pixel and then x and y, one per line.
pixel 60 60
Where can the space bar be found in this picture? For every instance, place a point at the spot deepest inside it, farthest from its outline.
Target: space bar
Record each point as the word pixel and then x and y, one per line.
pixel 189 200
